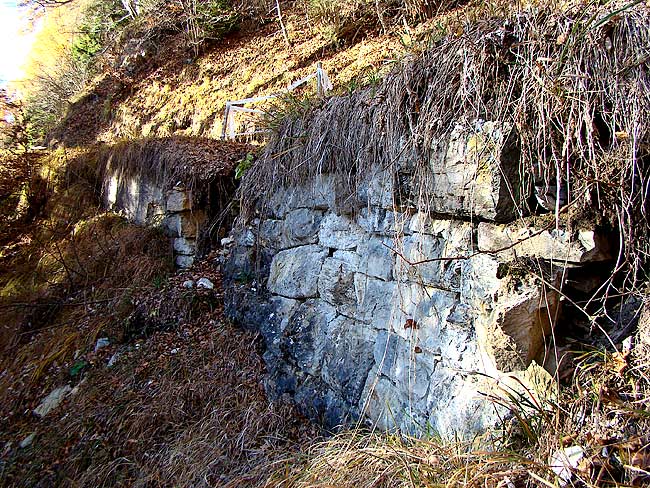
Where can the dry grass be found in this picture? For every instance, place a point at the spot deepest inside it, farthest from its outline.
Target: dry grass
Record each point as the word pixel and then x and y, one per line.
pixel 187 97
pixel 179 408
pixel 193 162
pixel 65 277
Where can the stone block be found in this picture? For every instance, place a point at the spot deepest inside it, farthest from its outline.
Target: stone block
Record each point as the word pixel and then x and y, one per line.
pixel 374 303
pixel 179 200
pixel 301 226
pixel 184 246
pixel 183 261
pixel 305 335
pixel 512 325
pixel 351 258
pixel 270 234
pixel 294 272
pixel 185 224
pixel 436 258
pixel 475 173
pixel 336 285
pixel 320 193
pixel 340 232
pixel 376 220
pixel 513 241
pixel 377 258
pixel 347 357
pixel 274 325
pixel 376 190
pixel 384 403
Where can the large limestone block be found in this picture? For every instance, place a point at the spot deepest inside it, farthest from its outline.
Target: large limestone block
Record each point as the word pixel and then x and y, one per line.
pixel 435 258
pixel 320 193
pixel 516 240
pixel 385 404
pixel 185 224
pixel 340 232
pixel 306 334
pixel 273 327
pixel 422 312
pixel 301 226
pixel 136 197
pixel 513 314
pixel 377 190
pixel 179 200
pixel 184 246
pixel 475 173
pixel 388 222
pixel 347 357
pixel 336 283
pixel 374 303
pixel 294 272
pixel 423 397
pixel 377 258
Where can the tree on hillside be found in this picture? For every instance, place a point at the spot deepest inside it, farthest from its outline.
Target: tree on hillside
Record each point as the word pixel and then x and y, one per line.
pixel 13 135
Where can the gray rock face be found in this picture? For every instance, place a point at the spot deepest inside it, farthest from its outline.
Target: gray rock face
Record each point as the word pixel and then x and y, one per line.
pixel 179 200
pixel 397 316
pixel 339 232
pixel 514 241
pixel 184 261
pixel 319 194
pixel 294 272
pixel 144 203
pixel 184 246
pixel 475 172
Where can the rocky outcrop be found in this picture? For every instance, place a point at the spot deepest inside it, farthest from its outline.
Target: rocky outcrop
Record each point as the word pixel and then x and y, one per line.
pixel 404 316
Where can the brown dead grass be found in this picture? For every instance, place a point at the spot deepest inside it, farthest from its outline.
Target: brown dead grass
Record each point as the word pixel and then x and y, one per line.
pixel 179 408
pixel 184 96
pixel 182 406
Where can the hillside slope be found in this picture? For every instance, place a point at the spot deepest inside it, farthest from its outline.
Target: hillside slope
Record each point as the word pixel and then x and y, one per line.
pixel 153 386
pixel 174 93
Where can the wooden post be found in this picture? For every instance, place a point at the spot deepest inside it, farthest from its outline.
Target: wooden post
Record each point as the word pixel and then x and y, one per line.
pixel 319 79
pixel 231 125
pixel 225 121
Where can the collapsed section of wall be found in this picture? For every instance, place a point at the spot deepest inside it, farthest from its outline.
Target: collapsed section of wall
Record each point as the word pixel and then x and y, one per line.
pixel 177 184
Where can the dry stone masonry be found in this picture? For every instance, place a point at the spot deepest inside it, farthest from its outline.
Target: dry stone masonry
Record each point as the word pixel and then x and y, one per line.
pixel 145 203
pixel 403 315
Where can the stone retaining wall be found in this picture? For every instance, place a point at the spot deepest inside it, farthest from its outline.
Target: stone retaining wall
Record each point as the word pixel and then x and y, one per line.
pixel 404 315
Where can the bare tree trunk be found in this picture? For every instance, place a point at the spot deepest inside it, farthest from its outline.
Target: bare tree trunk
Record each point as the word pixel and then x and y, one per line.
pixel 132 7
pixel 284 29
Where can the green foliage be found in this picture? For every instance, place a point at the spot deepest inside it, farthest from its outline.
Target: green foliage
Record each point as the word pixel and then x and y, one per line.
pixel 102 19
pixel 78 368
pixel 243 166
